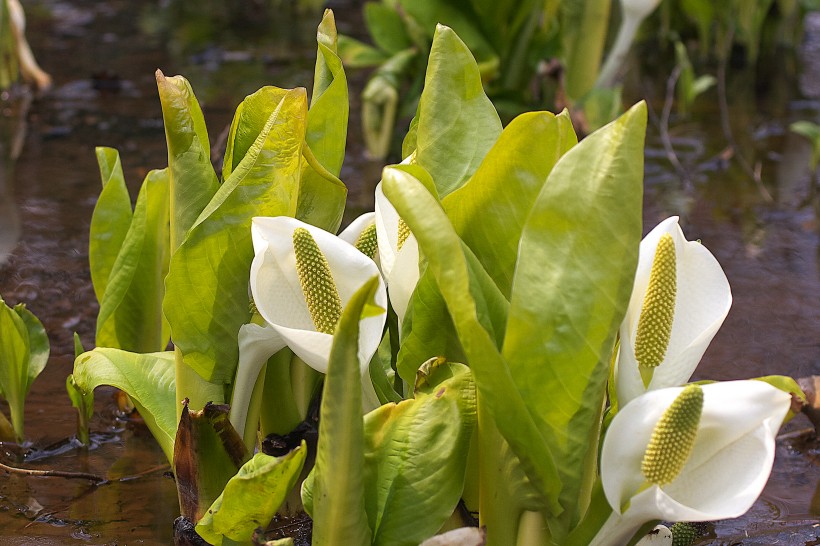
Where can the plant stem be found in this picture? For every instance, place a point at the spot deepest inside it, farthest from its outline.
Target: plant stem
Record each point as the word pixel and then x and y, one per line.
pixel 192 386
pixel 497 510
pixel 532 530
pixel 279 411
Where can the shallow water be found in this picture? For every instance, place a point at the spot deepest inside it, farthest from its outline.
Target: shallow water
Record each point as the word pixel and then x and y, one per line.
pixel 103 57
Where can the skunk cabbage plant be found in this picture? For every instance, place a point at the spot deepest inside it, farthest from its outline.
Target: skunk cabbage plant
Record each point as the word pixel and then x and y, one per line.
pixel 24 350
pixel 511 258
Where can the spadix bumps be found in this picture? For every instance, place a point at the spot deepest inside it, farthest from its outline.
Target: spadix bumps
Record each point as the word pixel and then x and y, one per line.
pixel 673 437
pixel 680 298
pixel 658 312
pixel 317 283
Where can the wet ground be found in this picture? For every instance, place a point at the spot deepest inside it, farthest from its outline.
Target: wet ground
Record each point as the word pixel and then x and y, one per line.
pixel 103 56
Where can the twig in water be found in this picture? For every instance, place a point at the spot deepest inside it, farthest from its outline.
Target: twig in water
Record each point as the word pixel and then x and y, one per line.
pixel 663 127
pixel 54 474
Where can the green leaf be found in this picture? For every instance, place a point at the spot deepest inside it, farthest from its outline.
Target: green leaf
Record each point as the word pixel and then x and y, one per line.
pixel 489 211
pixel 457 124
pixel 573 280
pixel 356 54
pixel 322 197
pixel 131 315
pixel 14 362
pixel 428 330
pixel 446 258
pixel 788 385
pixel 416 454
pixel 430 13
pixel 252 497
pixel 584 28
pixel 38 345
pixel 109 221
pixel 335 496
pixel 386 27
pixel 193 180
pixel 147 378
pixel 206 298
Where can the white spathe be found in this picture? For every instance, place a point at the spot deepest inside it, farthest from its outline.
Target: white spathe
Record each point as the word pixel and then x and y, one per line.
pixel 702 302
pixel 279 299
pixel 727 468
pixel 400 266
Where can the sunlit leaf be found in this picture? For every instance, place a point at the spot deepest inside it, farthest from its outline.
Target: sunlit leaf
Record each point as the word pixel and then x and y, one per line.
pixel 416 454
pixel 193 180
pixel 335 494
pixel 489 211
pixel 207 287
pixel 457 124
pixel 110 220
pixel 148 379
pixel 130 315
pixel 446 258
pixel 573 279
pixel 322 197
pixel 252 497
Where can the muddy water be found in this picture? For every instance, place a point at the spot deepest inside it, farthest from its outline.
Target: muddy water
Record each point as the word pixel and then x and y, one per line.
pixel 103 57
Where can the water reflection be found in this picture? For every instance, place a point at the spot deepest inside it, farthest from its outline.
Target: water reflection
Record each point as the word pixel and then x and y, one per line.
pixel 13 109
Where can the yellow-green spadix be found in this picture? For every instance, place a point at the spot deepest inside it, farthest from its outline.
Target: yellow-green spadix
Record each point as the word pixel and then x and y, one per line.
pixel 714 472
pixel 278 294
pixel 679 321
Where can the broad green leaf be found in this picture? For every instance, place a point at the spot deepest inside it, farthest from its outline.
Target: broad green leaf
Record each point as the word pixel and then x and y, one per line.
pixel 584 26
pixel 248 122
pixel 147 378
pixel 208 452
pixel 14 362
pixel 109 221
pixel 193 180
pixel 252 497
pixel 416 454
pixel 336 492
pixel 206 298
pixel 322 197
pixel 131 315
pixel 446 258
pixel 457 124
pixel 489 211
pixel 386 27
pixel 9 69
pixel 573 279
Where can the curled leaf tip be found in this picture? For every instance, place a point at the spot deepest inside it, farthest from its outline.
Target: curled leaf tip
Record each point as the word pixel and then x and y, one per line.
pixel 318 286
pixel 673 437
pixel 367 242
pixel 658 311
